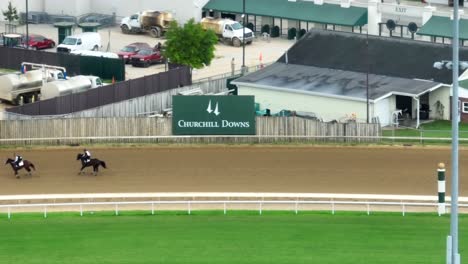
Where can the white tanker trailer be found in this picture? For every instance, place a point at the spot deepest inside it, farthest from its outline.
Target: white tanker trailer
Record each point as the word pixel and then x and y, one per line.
pixel 19 88
pixel 73 85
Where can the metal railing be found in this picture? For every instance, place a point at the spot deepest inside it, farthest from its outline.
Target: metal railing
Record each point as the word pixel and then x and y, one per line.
pixel 287 201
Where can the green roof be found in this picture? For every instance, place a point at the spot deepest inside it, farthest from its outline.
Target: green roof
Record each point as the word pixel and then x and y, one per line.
pixel 439 26
pixel 300 10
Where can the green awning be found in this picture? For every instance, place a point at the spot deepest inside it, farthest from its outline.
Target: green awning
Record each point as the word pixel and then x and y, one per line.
pixel 463 84
pixel 300 10
pixel 439 26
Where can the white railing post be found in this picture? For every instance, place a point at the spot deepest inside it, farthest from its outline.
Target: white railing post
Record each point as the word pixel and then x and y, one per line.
pixel 116 209
pixel 368 209
pixel 260 208
pixel 333 207
pixel 189 208
pixel 295 209
pixel 403 208
pixel 45 211
pixel 225 208
pixel 9 213
pixel 81 210
pixel 152 208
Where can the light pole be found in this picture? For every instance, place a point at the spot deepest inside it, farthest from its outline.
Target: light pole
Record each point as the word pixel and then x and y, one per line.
pixel 27 26
pixel 452 241
pixel 243 70
pixel 367 75
pixel 455 258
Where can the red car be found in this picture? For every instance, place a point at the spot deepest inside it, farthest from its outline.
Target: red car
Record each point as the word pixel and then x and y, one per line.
pixel 39 42
pixel 146 57
pixel 128 51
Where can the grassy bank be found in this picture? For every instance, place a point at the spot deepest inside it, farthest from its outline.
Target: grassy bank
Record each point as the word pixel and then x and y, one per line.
pixel 239 237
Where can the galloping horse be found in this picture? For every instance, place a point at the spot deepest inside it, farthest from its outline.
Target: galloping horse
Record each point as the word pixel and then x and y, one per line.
pixel 27 165
pixel 93 162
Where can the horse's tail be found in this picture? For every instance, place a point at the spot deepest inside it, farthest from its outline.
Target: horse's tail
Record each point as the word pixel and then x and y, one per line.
pixel 32 165
pixel 103 164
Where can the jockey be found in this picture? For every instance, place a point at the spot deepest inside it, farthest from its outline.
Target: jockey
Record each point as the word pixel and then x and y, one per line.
pixel 18 160
pixel 87 155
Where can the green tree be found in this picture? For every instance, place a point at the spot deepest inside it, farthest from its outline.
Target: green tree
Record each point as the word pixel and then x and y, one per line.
pixel 190 44
pixel 10 14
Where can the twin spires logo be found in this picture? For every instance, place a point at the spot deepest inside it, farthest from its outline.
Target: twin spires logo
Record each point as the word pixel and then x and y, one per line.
pixel 213 115
pixel 210 110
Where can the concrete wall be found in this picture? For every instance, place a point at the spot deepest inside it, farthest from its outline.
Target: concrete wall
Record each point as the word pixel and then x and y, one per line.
pixel 182 10
pixel 324 107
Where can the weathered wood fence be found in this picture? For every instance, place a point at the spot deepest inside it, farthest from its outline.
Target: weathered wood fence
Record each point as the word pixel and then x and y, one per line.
pixel 159 130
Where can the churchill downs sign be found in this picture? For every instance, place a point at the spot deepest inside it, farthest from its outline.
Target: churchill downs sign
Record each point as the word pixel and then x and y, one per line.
pixel 213 115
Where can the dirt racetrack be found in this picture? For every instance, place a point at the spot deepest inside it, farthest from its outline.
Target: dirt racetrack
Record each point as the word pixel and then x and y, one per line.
pixel 390 170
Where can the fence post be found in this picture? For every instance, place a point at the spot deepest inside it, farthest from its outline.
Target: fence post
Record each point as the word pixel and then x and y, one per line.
pixel 45 211
pixel 260 209
pixel 189 208
pixel 81 210
pixel 441 188
pixel 225 208
pixel 368 208
pixel 9 213
pixel 295 209
pixel 333 206
pixel 116 209
pixel 152 208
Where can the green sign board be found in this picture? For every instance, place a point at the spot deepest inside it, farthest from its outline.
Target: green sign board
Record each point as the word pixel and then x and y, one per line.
pixel 213 115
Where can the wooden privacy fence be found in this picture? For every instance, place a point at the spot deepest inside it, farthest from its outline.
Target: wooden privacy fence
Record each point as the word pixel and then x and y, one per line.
pixel 159 130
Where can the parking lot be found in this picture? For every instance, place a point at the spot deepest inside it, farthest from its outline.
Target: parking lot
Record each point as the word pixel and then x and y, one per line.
pixel 269 50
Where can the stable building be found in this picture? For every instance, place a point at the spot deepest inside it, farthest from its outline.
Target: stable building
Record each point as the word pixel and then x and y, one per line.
pixel 341 95
pixel 338 76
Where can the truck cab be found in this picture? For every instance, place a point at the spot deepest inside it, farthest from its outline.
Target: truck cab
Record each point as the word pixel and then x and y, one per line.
pixel 131 24
pixel 234 31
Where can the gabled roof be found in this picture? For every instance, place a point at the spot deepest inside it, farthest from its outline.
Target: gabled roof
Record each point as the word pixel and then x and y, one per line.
pixel 296 10
pixel 333 83
pixel 394 57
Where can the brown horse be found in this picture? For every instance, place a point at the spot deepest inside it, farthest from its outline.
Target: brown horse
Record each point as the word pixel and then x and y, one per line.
pixel 27 165
pixel 95 163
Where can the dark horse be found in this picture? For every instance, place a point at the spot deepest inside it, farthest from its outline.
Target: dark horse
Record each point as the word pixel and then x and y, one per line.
pixel 27 165
pixel 93 162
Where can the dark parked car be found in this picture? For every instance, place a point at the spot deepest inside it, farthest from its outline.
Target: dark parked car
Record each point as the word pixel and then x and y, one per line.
pixel 146 57
pixel 128 51
pixel 39 42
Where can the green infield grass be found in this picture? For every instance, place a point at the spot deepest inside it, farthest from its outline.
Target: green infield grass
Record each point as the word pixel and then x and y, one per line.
pixel 238 237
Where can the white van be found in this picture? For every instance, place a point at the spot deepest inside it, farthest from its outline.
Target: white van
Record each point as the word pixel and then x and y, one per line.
pixel 83 41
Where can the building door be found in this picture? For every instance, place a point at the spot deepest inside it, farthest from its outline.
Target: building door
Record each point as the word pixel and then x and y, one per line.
pixel 405 104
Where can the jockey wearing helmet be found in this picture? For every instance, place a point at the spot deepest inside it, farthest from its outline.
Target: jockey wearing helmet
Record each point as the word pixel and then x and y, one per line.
pixel 18 160
pixel 87 156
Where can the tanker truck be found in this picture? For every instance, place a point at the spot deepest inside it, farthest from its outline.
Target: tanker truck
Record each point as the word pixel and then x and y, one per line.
pixel 228 30
pixel 25 88
pixel 73 85
pixel 154 22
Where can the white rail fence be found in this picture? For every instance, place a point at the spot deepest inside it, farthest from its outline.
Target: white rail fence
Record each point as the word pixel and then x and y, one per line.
pixel 244 201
